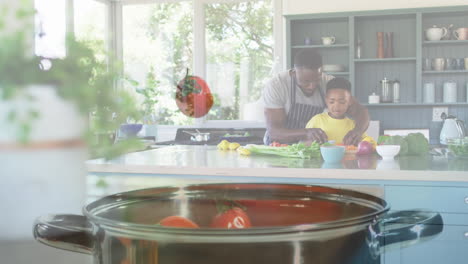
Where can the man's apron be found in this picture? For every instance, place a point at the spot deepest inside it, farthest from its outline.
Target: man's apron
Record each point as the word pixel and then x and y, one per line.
pixel 299 114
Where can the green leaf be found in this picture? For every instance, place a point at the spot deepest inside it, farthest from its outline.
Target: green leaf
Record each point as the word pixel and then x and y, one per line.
pixel 12 116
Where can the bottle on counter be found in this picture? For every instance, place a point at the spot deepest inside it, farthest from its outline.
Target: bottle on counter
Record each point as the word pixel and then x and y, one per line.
pixel 467 92
pixel 396 91
pixel 359 48
pixel 380 45
pixel 389 45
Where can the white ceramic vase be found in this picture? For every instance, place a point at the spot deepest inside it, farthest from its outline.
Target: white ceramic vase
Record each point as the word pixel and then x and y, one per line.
pixel 48 174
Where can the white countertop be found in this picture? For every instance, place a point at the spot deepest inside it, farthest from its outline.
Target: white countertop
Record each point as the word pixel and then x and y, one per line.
pixel 207 160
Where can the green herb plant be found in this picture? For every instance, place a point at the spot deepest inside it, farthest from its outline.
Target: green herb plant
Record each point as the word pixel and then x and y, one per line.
pixel 150 94
pixel 78 78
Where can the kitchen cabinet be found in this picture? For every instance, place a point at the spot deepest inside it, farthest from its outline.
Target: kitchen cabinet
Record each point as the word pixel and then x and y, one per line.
pixel 409 48
pixel 451 201
pixel 447 247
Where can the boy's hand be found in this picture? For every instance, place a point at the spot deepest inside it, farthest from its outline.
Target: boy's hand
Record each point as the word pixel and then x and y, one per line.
pixel 316 134
pixel 352 138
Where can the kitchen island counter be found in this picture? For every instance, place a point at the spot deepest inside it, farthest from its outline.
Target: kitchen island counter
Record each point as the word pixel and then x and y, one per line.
pixel 436 184
pixel 207 160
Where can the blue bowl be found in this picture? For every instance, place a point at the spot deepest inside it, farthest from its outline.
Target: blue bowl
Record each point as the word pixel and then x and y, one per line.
pixel 332 154
pixel 130 130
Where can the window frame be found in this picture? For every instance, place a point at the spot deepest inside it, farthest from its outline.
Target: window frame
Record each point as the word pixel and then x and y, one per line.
pixel 115 39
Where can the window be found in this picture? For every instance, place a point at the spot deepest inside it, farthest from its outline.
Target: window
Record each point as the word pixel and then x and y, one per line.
pixel 158 39
pixel 157 42
pixel 50 28
pixel 90 25
pixel 239 54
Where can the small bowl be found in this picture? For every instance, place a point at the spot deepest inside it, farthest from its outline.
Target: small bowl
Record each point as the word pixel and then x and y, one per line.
pixel 332 154
pixel 130 130
pixel 388 152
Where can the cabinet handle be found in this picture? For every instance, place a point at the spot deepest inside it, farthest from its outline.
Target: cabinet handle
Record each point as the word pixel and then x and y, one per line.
pixel 466 200
pixel 466 234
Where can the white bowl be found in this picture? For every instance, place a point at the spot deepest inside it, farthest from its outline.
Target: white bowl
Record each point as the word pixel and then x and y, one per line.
pixel 333 68
pixel 388 152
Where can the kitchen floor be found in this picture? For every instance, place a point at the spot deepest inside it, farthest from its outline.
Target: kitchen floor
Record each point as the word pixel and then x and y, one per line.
pixel 26 252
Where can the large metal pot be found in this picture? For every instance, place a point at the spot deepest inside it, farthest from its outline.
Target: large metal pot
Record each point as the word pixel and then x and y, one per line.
pixel 292 224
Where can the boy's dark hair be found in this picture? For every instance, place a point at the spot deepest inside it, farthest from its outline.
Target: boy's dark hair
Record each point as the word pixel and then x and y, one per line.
pixel 308 58
pixel 339 83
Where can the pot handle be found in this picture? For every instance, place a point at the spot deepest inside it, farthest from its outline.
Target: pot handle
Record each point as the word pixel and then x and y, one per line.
pixel 404 226
pixel 68 232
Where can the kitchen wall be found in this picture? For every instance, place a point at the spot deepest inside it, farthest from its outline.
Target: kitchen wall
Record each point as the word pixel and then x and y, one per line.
pixel 307 6
pixel 414 117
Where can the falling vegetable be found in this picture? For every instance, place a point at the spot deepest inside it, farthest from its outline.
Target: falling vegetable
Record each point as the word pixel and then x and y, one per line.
pixel 193 96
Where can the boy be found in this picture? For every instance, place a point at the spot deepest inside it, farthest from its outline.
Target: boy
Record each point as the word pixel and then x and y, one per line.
pixel 334 123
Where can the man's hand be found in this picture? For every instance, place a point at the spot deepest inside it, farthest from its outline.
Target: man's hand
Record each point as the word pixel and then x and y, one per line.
pixel 352 138
pixel 316 134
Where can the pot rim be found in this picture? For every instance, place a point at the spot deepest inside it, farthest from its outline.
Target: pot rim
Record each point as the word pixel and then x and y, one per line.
pixel 276 233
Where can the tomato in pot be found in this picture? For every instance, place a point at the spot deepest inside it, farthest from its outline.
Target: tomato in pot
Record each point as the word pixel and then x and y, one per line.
pixel 193 96
pixel 234 218
pixel 178 221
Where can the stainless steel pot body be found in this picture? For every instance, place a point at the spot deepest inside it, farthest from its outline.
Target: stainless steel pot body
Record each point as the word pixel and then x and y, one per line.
pixel 291 224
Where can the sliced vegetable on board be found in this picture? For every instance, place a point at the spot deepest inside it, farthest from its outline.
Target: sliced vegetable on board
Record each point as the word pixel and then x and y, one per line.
pixel 298 150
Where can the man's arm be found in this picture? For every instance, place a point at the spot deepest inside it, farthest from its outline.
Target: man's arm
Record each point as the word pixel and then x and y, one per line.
pixel 361 117
pixel 276 125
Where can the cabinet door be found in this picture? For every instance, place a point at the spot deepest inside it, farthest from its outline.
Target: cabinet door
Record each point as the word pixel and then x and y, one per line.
pixel 438 199
pixel 449 247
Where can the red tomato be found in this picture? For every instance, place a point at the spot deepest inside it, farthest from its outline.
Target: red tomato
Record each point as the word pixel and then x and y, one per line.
pixel 234 218
pixel 283 145
pixel 193 96
pixel 178 221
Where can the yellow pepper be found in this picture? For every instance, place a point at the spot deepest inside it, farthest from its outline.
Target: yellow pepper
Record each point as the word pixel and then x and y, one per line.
pixel 243 151
pixel 234 145
pixel 223 145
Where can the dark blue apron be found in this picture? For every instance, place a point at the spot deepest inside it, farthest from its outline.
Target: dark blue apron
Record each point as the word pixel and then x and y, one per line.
pixel 299 114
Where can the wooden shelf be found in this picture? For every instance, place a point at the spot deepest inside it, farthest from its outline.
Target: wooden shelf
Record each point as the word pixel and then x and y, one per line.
pixel 443 72
pixel 320 46
pixel 392 104
pixel 444 42
pixel 414 104
pixel 386 59
pixel 337 73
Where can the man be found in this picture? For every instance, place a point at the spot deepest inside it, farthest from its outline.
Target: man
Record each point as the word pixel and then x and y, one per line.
pixel 293 97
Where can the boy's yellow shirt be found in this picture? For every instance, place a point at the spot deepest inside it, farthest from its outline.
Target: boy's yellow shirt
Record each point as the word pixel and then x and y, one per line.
pixel 336 129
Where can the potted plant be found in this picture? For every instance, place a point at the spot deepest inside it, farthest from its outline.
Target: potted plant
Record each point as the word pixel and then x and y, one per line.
pixel 46 132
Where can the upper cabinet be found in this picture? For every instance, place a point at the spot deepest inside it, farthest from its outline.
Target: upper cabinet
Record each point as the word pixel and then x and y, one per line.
pixel 402 45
